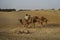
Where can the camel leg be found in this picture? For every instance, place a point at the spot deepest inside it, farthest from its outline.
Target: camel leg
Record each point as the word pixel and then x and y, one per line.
pixel 41 24
pixel 34 25
pixel 26 25
pixel 46 22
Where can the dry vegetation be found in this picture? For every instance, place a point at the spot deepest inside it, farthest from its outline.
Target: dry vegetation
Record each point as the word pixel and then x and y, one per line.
pixel 10 26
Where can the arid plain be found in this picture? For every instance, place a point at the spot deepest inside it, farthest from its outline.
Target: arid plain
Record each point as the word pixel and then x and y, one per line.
pixel 10 26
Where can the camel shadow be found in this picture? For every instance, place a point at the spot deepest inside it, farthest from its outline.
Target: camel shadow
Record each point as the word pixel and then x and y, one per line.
pixel 53 25
pixel 48 25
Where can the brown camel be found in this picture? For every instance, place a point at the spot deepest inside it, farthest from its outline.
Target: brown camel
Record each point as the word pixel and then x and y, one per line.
pixel 33 20
pixel 23 22
pixel 43 20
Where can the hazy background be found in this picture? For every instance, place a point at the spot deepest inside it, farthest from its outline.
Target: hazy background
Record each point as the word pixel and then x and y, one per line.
pixel 30 4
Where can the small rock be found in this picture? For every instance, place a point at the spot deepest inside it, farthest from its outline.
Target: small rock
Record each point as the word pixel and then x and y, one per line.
pixel 26 31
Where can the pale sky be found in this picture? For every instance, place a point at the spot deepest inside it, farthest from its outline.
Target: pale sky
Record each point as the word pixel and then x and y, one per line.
pixel 30 4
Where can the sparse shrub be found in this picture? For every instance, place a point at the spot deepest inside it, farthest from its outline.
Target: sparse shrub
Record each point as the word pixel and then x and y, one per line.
pixel 52 9
pixel 37 10
pixel 58 9
pixel 24 10
pixel 7 10
pixel 42 9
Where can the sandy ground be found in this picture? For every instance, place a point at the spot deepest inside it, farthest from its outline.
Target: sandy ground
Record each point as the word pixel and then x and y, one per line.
pixel 10 26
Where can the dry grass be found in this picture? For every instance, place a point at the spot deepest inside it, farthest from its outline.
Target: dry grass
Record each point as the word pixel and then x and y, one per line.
pixel 10 26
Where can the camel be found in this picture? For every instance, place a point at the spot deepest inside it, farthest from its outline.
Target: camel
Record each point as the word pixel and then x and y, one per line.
pixel 23 22
pixel 33 20
pixel 43 20
pixel 36 19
